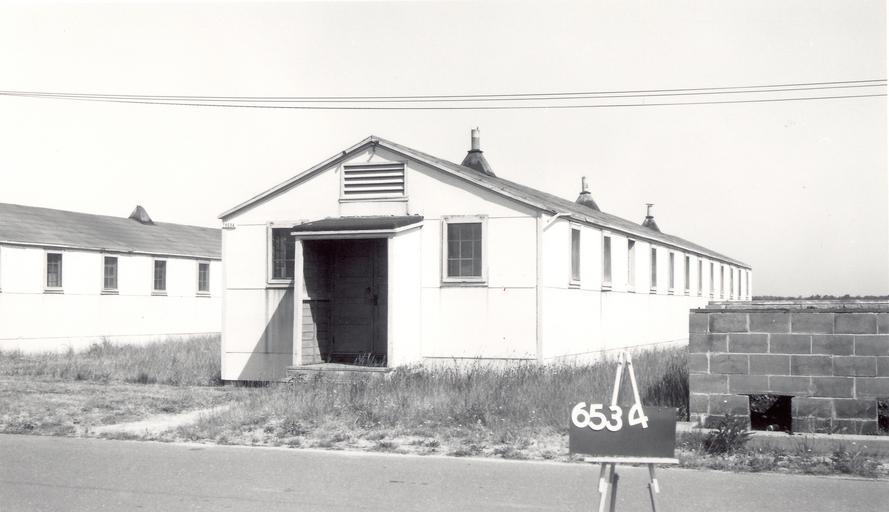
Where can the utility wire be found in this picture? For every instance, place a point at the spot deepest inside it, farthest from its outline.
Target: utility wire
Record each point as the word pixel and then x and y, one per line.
pixel 476 97
pixel 473 107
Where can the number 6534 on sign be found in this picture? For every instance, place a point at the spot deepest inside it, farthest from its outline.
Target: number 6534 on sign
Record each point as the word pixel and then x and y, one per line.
pixel 598 416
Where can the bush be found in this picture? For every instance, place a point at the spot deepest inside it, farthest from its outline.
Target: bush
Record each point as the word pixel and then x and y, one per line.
pixel 729 436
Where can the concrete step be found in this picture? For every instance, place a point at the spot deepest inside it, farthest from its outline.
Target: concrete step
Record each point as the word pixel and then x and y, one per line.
pixel 335 373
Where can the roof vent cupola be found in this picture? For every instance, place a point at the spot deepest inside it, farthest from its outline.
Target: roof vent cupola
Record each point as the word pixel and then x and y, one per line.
pixel 585 198
pixel 475 159
pixel 141 216
pixel 649 219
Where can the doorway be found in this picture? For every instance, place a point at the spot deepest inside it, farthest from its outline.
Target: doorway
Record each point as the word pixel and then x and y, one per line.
pixel 345 314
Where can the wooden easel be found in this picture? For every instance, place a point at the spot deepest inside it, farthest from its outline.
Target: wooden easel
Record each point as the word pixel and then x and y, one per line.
pixel 608 477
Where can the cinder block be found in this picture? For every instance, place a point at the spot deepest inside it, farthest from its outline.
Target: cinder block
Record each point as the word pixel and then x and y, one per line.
pixel 702 383
pixel 791 385
pixel 815 407
pixel 748 343
pixel 698 403
pixel 790 344
pixel 811 424
pixel 769 364
pixel 872 345
pixel 707 343
pixel 833 344
pixel 698 322
pixel 883 323
pixel 770 322
pixel 855 366
pixel 697 363
pixel 856 323
pixel 728 363
pixel 872 387
pixel 736 405
pixel 810 365
pixel 855 408
pixel 728 322
pixel 883 367
pixel 748 384
pixel 854 427
pixel 811 323
pixel 837 387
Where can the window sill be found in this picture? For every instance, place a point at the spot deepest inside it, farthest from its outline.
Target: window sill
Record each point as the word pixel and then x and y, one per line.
pixel 574 284
pixel 669 291
pixel 110 292
pixel 606 287
pixel 464 284
pixel 55 291
pixel 279 284
pixel 159 293
pixel 652 290
pixel 203 294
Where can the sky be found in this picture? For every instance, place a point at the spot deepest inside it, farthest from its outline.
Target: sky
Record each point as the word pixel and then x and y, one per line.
pixel 797 189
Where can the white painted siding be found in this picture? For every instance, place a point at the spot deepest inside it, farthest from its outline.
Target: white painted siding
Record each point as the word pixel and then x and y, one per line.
pixel 32 320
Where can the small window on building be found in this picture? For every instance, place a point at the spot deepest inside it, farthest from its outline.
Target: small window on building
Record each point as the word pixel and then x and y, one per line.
pixel 722 281
pixel 712 282
pixel 283 253
pixel 464 259
pixel 109 281
pixel 606 262
pixel 731 282
pixel 160 275
pixel 700 277
pixel 672 271
pixel 653 269
pixel 203 277
pixel 687 281
pixel 747 277
pixel 631 264
pixel 575 255
pixel 53 270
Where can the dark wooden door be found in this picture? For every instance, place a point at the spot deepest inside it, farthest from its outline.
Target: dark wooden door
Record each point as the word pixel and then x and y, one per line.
pixel 359 299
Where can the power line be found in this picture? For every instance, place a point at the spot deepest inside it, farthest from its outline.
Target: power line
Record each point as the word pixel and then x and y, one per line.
pixel 462 97
pixel 423 107
pixel 512 97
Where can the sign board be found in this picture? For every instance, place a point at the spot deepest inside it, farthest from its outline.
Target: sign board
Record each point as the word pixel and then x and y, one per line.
pixel 621 433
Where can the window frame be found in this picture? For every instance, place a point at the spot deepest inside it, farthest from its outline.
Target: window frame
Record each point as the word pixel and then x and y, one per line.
pixel 154 289
pixel 607 283
pixel 105 289
pixel 700 277
pixel 631 265
pixel 46 287
pixel 198 291
pixel 464 280
pixel 712 279
pixel 574 281
pixel 671 272
pixel 652 270
pixel 271 280
pixel 687 274
pixel 721 281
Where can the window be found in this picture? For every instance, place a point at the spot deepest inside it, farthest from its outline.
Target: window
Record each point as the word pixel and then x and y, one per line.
pixel 731 283
pixel 109 281
pixel 747 277
pixel 53 270
pixel 464 257
pixel 631 264
pixel 687 274
pixel 606 262
pixel 283 253
pixel 160 276
pixel 721 281
pixel 672 271
pixel 712 282
pixel 373 181
pixel 700 277
pixel 575 256
pixel 653 269
pixel 203 277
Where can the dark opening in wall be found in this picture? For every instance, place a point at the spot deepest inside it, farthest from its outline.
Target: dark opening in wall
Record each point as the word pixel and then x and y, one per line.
pixel 770 412
pixel 883 416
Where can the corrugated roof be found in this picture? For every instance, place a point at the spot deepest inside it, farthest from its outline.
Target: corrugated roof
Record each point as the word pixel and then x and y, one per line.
pixel 365 223
pixel 521 193
pixel 60 228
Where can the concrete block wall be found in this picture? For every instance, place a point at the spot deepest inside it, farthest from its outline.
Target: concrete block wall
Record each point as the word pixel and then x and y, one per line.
pixel 832 358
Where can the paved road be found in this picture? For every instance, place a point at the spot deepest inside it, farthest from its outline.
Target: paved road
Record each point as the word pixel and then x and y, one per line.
pixel 55 474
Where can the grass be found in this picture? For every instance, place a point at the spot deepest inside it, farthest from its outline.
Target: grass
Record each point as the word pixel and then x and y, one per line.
pixel 194 362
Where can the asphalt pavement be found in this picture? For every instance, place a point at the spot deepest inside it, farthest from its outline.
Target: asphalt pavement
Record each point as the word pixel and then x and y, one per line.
pixel 76 474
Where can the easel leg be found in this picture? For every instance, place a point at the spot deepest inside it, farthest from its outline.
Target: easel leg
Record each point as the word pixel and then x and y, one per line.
pixel 653 487
pixel 605 485
pixel 614 483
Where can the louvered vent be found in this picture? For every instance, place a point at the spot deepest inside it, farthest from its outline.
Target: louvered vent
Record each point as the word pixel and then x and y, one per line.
pixel 373 180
